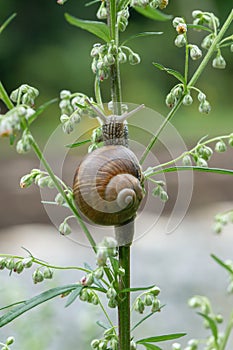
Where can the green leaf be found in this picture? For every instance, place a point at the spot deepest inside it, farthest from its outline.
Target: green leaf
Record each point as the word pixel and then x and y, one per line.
pixel 135 289
pixel 139 35
pixel 5 24
pixel 160 338
pixel 173 72
pixel 194 168
pixel 212 325
pixel 33 302
pixel 145 318
pixel 151 346
pixel 99 29
pixel 221 263
pixel 102 325
pixel 154 14
pixel 199 27
pixel 92 3
pixel 73 295
pixel 77 144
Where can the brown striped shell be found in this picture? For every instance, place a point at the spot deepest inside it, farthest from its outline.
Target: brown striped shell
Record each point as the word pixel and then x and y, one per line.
pixel 108 185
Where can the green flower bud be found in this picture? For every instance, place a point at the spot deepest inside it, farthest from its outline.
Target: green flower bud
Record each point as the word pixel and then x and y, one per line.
pixel 26 180
pixel 219 62
pixel 111 293
pixel 37 276
pixel 84 295
pixel 187 160
pixel 23 146
pixel 177 91
pixel 64 228
pixel 102 256
pixel 202 163
pixel 103 345
pixel 219 318
pixel 155 305
pixel 75 118
pixel 27 262
pixel 95 344
pixel 204 107
pixel 170 100
pixel 155 291
pixel 95 300
pixel 59 199
pixel 181 28
pixel 10 340
pixel 102 12
pixel 148 300
pixel 98 273
pixel 121 271
pixel 43 181
pixel 122 58
pixel 114 344
pixel 19 267
pixel 65 94
pixel 206 152
pixel 176 346
pixel 87 280
pixel 220 146
pixel 10 264
pixel 139 306
pixel 164 196
pixel 112 303
pixel 207 41
pixel 230 141
pixel 194 302
pixel 134 58
pixel 187 100
pixel 122 24
pixel 180 40
pixel 196 13
pixel 231 48
pixel 201 97
pixel 48 273
pixel 133 345
pixel 177 20
pixel 3 263
pixel 109 59
pixel 195 52
pixel 68 127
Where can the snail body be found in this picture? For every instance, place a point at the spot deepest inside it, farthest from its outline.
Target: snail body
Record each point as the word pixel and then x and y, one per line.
pixel 108 185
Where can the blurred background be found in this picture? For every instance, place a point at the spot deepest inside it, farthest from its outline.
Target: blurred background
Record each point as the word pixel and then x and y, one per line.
pixel 39 48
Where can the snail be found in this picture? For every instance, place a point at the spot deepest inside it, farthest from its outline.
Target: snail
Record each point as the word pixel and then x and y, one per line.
pixel 108 184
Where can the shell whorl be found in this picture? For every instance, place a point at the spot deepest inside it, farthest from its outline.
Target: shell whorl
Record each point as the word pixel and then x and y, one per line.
pixel 108 185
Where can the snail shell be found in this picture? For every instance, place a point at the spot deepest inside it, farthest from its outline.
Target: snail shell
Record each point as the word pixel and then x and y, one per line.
pixel 108 185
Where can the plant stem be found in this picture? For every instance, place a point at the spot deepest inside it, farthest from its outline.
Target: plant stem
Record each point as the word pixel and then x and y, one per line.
pixel 227 333
pixel 192 82
pixel 5 98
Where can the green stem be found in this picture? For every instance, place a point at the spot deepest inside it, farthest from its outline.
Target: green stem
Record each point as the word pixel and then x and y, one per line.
pixel 5 98
pixel 192 82
pixel 186 67
pixel 227 333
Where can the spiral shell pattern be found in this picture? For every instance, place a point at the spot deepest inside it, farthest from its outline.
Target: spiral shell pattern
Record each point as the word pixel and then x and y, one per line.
pixel 108 185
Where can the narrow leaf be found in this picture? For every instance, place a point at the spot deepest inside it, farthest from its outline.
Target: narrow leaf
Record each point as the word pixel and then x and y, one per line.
pixel 194 168
pixel 173 72
pixel 11 305
pixel 99 29
pixel 33 302
pixel 199 27
pixel 160 338
pixel 135 289
pixel 102 325
pixel 154 14
pixel 221 263
pixel 5 24
pixel 77 144
pixel 139 35
pixel 212 325
pixel 145 318
pixel 92 3
pixel 151 346
pixel 73 295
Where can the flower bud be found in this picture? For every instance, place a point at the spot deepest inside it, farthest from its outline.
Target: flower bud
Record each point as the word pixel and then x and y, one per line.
pixel 64 228
pixel 43 181
pixel 23 146
pixel 109 59
pixel 87 280
pixel 207 41
pixel 164 196
pixel 19 267
pixel 122 24
pixel 187 100
pixel 206 152
pixel 219 318
pixel 68 127
pixel 65 94
pixel 59 199
pixel 139 305
pixel 180 40
pixel 196 13
pixel 84 295
pixel 37 276
pixel 219 62
pixel 155 305
pixel 3 263
pixel 230 141
pixel 201 97
pixel 148 300
pixel 99 273
pixel 94 300
pixel 220 146
pixel 133 345
pixel 27 262
pixel 102 12
pixel 112 303
pixel 134 58
pixel 176 346
pixel 26 181
pixel 114 344
pixel 177 91
pixel 95 344
pixel 202 163
pixel 111 293
pixel 176 21
pixel 48 273
pixel 195 52
pixel 204 107
pixel 10 340
pixel 122 58
pixel 170 100
pixel 187 160
pixel 231 48
pixel 102 256
pixel 163 4
pixel 10 264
